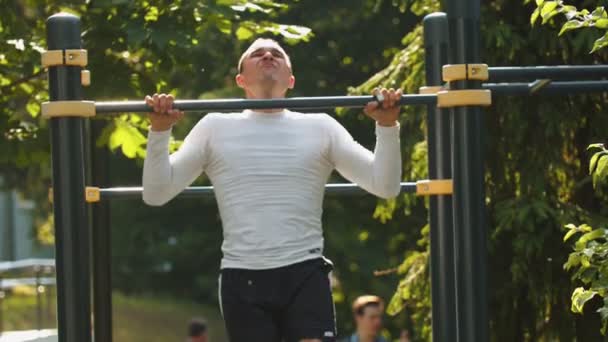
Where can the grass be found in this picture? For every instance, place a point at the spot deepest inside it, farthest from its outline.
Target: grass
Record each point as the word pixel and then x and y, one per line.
pixel 135 318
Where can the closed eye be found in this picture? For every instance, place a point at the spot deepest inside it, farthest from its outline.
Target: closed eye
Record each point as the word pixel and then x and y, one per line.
pixel 260 52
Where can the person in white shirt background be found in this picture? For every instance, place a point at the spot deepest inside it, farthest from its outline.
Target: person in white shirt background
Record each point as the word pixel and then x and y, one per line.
pixel 269 169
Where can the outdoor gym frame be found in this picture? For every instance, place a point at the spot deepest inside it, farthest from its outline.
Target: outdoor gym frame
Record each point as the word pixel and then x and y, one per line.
pixel 455 140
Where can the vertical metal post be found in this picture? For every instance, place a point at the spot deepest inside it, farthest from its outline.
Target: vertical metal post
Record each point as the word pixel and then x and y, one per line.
pixel 2 294
pixel 468 199
pixel 440 167
pixel 67 147
pixel 10 243
pixel 102 273
pixel 38 300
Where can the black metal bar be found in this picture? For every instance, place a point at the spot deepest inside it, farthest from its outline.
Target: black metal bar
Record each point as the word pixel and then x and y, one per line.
pixel 554 88
pixel 101 244
pixel 207 191
pixel 554 72
pixel 223 105
pixel 67 147
pixel 440 212
pixel 467 167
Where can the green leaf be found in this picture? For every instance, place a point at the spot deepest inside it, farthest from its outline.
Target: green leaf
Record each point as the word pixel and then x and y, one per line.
pixel 570 11
pixel 601 23
pixel 251 7
pixel 574 259
pixel 570 25
pixel 534 16
pixel 600 43
pixel 224 25
pixel 593 162
pixel 587 237
pixel 580 296
pixel 598 13
pixel 569 234
pixel 33 108
pixel 539 2
pixel 598 145
pixel 128 137
pixel 152 14
pixel 594 159
pixel 243 33
pixel 548 7
pixel 600 171
pixel 549 11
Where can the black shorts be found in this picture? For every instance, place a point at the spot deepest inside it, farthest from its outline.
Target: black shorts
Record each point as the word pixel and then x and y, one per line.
pixel 283 304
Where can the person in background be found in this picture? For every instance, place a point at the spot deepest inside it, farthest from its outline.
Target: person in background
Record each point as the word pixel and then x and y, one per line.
pixel 405 336
pixel 197 330
pixel 367 312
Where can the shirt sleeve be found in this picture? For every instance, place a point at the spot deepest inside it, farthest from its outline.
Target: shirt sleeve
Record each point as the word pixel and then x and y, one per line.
pixel 379 172
pixel 165 175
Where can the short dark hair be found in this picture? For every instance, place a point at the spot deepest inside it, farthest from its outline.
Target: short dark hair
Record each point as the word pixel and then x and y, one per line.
pixel 366 301
pixel 250 50
pixel 197 327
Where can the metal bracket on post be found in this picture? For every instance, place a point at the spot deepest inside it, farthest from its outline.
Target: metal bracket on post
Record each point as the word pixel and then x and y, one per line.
pixel 460 72
pixel 92 194
pixel 434 187
pixel 85 78
pixel 69 57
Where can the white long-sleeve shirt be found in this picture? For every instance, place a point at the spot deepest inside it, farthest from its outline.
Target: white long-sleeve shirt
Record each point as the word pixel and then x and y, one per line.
pixel 269 173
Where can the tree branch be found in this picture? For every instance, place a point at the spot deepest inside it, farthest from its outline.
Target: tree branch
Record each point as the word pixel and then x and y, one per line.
pixel 21 80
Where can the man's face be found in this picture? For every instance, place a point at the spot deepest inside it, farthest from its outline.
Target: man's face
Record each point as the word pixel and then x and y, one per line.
pixel 370 321
pixel 265 64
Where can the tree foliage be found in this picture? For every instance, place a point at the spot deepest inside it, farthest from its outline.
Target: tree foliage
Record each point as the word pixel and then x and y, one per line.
pixel 590 257
pixel 575 19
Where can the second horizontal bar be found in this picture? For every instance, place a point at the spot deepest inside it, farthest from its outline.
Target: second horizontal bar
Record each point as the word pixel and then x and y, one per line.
pixel 553 88
pixel 347 189
pixel 554 72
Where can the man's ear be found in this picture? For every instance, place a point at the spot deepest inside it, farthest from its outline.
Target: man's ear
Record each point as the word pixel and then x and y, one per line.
pixel 240 81
pixel 292 82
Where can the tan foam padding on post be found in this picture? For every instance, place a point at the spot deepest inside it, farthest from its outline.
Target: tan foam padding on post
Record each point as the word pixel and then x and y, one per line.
pixel 430 90
pixel 434 187
pixel 467 97
pixel 68 108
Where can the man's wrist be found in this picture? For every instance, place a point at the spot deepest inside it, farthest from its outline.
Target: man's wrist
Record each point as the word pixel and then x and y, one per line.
pixel 160 128
pixel 391 123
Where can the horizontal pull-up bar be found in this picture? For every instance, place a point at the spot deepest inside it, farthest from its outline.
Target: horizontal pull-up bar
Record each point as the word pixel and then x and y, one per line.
pixel 421 188
pixel 91 108
pixel 555 72
pixel 223 105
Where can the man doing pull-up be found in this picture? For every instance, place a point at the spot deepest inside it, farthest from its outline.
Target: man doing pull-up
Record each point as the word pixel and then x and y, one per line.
pixel 269 169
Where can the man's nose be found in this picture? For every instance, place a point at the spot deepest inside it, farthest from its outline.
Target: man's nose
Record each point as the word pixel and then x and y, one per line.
pixel 268 55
